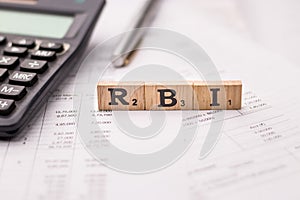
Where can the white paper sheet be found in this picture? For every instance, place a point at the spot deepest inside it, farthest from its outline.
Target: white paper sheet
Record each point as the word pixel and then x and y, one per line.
pixel 257 156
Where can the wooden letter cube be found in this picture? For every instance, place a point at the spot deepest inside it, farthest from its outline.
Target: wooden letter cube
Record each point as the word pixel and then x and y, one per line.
pixel 121 96
pixel 169 96
pixel 225 95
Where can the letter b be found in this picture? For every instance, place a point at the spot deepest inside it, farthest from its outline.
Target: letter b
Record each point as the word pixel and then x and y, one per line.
pixel 164 97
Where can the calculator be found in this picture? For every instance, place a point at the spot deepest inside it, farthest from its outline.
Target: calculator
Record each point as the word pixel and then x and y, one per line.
pixel 41 41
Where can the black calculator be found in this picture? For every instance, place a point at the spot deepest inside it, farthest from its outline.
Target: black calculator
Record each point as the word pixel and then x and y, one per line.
pixel 41 41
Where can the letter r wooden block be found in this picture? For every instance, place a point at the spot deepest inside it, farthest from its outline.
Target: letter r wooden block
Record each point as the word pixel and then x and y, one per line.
pixel 121 96
pixel 169 96
pixel 225 95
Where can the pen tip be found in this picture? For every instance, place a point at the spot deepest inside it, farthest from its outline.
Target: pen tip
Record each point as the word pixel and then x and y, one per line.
pixel 118 62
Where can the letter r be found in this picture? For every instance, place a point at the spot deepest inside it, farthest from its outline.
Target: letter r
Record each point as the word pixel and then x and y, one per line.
pixel 114 96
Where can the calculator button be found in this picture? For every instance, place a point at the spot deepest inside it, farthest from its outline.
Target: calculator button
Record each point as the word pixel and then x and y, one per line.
pixel 43 55
pixel 22 78
pixel 38 66
pixel 12 91
pixel 15 51
pixel 8 62
pixel 3 74
pixel 2 39
pixel 6 106
pixel 52 46
pixel 22 42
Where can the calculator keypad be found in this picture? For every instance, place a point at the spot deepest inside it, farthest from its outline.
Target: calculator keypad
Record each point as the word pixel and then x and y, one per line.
pixel 6 106
pixel 23 78
pixel 23 62
pixel 37 66
pixel 43 55
pixel 2 39
pixel 15 51
pixel 15 92
pixel 22 42
pixel 8 62
pixel 3 74
pixel 52 46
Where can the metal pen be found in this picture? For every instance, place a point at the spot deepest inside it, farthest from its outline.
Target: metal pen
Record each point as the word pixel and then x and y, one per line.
pixel 132 39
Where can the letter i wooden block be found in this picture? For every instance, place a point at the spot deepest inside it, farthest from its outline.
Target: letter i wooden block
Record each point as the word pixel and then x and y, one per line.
pixel 121 96
pixel 225 95
pixel 169 96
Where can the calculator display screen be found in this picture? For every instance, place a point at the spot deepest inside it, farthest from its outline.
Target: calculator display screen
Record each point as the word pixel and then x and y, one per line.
pixel 34 24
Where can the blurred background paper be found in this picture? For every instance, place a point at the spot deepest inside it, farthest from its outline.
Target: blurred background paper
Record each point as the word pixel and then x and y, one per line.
pixel 275 24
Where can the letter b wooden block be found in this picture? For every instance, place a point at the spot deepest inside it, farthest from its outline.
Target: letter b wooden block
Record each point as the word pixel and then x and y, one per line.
pixel 169 96
pixel 123 96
